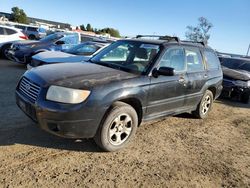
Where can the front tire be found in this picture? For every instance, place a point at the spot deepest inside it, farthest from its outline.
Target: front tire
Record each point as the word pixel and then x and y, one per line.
pixel 118 127
pixel 205 105
pixel 4 50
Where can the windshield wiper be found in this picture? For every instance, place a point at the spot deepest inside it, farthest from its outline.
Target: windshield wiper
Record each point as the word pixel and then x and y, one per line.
pixel 111 65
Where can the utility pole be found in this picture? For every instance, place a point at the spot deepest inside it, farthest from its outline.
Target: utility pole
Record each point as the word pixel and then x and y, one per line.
pixel 248 50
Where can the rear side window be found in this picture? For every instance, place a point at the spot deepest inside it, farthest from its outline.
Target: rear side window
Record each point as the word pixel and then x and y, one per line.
pixel 32 29
pixel 194 60
pixel 20 27
pixel 10 31
pixel 212 60
pixel 174 58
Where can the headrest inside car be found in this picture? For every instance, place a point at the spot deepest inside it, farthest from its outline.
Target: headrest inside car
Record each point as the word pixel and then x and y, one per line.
pixel 190 59
pixel 141 53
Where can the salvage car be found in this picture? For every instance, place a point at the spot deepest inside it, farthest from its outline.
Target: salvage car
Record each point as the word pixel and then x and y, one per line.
pixel 129 82
pixel 81 52
pixel 21 52
pixel 236 78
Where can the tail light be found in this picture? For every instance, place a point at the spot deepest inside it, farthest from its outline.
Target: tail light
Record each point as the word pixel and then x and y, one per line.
pixel 23 37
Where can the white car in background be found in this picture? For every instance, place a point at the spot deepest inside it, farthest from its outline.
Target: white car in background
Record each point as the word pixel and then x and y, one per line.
pixel 7 36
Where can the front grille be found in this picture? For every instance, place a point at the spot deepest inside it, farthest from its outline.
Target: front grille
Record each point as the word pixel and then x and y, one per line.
pixel 29 89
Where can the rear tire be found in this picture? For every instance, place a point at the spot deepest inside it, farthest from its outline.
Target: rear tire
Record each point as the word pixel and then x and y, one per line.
pixel 204 106
pixel 32 37
pixel 117 128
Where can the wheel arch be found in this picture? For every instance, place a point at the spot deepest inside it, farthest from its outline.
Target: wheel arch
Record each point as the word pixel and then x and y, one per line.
pixel 213 90
pixel 133 102
pixel 136 104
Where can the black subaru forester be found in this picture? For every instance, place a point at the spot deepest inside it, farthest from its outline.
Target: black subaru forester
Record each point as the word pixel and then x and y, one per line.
pixel 129 82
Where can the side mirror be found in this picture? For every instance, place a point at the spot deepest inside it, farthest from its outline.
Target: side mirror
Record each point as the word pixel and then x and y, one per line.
pixel 60 42
pixel 164 71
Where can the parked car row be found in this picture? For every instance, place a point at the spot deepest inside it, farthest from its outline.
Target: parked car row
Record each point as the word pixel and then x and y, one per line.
pixel 22 51
pixel 78 53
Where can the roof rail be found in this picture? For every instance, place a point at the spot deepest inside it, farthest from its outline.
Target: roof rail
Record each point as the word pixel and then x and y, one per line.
pixel 160 37
pixel 203 43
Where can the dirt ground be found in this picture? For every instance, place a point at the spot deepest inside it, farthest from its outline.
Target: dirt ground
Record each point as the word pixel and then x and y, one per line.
pixel 175 152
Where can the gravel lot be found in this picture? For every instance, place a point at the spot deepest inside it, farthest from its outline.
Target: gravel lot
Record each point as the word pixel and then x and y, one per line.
pixel 176 152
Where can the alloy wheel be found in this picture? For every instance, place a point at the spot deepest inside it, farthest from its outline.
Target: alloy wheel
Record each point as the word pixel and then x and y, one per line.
pixel 120 129
pixel 206 103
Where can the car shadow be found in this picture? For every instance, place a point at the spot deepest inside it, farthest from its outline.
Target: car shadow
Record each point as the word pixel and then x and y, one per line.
pixel 10 64
pixel 233 103
pixel 186 116
pixel 17 66
pixel 32 135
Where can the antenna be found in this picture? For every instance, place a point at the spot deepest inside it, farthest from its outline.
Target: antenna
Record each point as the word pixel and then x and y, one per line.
pixel 248 50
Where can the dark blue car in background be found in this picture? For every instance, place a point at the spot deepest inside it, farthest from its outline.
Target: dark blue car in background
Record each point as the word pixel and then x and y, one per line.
pixel 21 52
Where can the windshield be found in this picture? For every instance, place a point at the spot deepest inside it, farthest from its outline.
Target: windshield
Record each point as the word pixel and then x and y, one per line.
pixel 237 64
pixel 129 56
pixel 52 37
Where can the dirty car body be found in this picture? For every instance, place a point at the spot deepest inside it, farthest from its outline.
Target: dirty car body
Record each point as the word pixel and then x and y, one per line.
pixel 129 71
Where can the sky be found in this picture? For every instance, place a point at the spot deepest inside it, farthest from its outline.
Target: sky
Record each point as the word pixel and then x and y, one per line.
pixel 230 18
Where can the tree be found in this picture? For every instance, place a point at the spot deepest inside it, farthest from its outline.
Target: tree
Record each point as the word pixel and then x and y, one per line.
pixel 200 32
pixel 113 32
pixel 18 15
pixel 82 27
pixel 89 28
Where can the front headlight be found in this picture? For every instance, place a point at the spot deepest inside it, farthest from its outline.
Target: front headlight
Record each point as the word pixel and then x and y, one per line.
pixel 66 95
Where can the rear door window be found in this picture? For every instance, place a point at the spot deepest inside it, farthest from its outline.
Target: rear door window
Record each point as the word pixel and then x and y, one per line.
pixel 212 60
pixel 194 60
pixel 174 58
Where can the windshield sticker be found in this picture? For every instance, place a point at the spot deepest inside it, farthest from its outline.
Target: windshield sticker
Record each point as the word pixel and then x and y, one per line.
pixel 149 46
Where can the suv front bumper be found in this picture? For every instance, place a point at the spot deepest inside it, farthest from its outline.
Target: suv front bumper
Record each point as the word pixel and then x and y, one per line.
pixel 77 121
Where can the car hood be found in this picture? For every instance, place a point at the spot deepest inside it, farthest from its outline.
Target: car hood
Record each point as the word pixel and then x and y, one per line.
pixel 58 57
pixel 77 75
pixel 236 74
